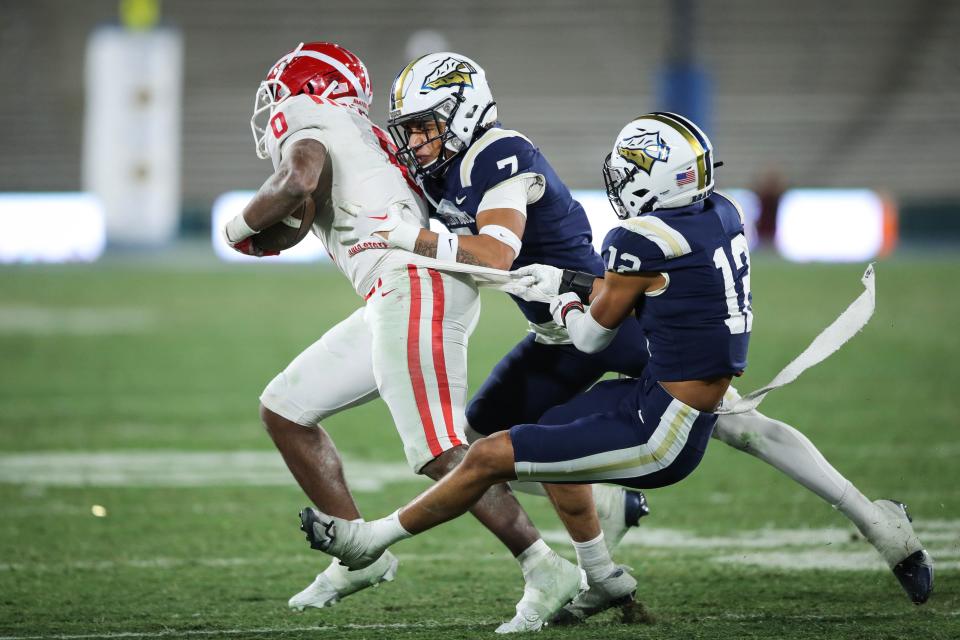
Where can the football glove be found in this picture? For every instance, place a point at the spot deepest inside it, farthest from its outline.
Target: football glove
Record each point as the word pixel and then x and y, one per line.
pixel 394 230
pixel 534 283
pixel 238 234
pixel 564 304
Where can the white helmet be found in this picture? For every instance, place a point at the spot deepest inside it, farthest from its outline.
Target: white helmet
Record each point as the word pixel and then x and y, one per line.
pixel 659 161
pixel 445 88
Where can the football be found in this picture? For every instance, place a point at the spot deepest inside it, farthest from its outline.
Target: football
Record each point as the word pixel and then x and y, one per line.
pixel 289 231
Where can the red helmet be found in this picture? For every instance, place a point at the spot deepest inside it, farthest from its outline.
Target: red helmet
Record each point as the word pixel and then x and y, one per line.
pixel 323 69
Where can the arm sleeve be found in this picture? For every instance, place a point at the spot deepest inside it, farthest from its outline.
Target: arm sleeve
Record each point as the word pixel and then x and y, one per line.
pixel 587 334
pixel 514 193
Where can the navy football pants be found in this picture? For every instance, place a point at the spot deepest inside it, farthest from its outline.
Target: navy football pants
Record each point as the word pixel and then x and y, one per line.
pixel 534 377
pixel 630 432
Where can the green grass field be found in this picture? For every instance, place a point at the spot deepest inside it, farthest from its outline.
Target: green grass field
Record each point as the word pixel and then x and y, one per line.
pixel 134 387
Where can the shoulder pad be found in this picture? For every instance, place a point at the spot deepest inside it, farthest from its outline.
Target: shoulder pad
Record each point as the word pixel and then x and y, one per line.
pixel 645 243
pixel 730 212
pixel 499 154
pixel 669 242
pixel 306 113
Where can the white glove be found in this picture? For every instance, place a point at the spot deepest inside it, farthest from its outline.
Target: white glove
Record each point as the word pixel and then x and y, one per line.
pixel 564 304
pixel 534 283
pixel 400 233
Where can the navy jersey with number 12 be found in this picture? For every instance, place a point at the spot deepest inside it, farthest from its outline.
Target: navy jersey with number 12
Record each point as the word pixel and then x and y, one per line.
pixel 698 325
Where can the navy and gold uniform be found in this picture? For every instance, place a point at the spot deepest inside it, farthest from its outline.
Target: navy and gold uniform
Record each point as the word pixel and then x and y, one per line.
pixel 543 370
pixel 557 229
pixel 696 327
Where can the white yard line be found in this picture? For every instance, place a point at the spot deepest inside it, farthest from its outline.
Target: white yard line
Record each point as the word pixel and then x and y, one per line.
pixel 174 468
pixel 79 321
pixel 433 624
pixel 162 563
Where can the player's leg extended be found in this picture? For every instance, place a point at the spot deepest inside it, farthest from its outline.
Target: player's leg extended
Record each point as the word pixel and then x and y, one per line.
pixel 640 437
pixel 419 351
pixel 534 378
pixel 496 509
pixel 884 523
pixel 332 374
pixel 315 463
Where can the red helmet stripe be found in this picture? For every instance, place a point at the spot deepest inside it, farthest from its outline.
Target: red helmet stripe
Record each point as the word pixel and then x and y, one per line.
pixel 339 66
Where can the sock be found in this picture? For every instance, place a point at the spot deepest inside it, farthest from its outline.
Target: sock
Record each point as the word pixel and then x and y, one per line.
pixel 783 447
pixel 532 555
pixel 858 508
pixel 386 531
pixel 594 558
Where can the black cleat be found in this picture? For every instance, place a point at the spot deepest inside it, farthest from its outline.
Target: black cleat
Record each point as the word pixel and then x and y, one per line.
pixel 915 573
pixel 892 534
pixel 309 518
pixel 636 507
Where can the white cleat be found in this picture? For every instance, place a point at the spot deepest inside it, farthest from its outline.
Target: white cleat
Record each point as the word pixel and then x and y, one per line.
pixel 351 542
pixel 338 582
pixel 619 509
pixel 891 533
pixel 551 583
pixel 619 589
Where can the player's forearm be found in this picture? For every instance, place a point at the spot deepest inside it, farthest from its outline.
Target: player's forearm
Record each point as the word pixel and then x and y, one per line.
pixel 296 179
pixel 597 289
pixel 468 251
pixel 271 204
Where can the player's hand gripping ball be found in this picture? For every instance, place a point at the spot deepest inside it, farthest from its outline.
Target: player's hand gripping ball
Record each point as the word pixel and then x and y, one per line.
pixel 286 233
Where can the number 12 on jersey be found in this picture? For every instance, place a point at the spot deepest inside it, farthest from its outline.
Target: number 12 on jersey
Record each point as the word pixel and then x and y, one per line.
pixel 736 281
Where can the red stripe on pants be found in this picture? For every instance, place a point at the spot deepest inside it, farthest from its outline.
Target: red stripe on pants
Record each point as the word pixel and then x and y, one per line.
pixel 413 363
pixel 439 364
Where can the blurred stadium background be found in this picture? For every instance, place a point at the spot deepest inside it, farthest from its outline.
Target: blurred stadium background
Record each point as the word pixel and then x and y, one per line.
pixel 137 492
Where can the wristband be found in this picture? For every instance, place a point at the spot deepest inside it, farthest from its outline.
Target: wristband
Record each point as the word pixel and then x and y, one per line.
pixel 563 305
pixel 447 244
pixel 237 229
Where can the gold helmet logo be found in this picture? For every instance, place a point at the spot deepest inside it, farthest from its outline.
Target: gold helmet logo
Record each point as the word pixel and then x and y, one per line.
pixel 450 72
pixel 644 149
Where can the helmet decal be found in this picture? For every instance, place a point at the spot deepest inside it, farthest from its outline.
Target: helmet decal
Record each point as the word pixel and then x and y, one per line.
pixel 633 183
pixel 691 135
pixel 644 149
pixel 439 96
pixel 450 72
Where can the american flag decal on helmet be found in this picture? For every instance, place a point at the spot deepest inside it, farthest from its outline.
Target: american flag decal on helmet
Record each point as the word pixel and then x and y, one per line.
pixel 686 177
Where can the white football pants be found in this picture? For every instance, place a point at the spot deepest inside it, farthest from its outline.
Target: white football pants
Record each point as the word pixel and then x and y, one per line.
pixel 408 345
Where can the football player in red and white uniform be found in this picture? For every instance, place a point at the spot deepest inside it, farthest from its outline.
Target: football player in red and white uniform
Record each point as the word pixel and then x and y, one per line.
pixel 407 344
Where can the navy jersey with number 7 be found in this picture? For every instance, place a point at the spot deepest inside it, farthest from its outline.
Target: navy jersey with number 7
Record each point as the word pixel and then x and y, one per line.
pixel 698 325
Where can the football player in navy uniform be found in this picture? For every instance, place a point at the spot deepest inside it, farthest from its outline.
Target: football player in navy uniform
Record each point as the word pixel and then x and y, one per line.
pixel 505 207
pixel 685 269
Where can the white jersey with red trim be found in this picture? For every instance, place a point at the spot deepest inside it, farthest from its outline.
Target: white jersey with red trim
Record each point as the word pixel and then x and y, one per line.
pixel 366 183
